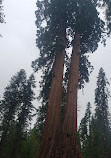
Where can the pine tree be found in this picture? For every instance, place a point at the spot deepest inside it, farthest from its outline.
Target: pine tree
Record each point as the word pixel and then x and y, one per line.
pixel 102 115
pixel 11 101
pixel 96 142
pixel 17 107
pixel 24 114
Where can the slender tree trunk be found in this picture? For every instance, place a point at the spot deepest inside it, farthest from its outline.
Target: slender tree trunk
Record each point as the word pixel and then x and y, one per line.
pixel 54 106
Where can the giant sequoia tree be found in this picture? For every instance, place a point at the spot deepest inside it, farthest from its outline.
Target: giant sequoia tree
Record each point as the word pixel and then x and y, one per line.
pixel 56 23
pixel 51 39
pixel 89 35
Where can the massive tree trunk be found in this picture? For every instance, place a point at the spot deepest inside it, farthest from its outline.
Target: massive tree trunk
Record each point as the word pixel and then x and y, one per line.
pixel 69 127
pixel 70 119
pixel 54 106
pixel 66 143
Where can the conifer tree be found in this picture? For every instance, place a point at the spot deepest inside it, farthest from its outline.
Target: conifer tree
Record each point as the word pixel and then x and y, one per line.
pixel 85 132
pixel 96 142
pixel 11 101
pixel 24 114
pixel 102 115
pixel 52 42
pixel 17 107
pixel 82 23
pixel 107 5
pixel 94 33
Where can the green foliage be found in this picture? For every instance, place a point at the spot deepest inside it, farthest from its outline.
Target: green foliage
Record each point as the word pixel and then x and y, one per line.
pixel 26 105
pixel 95 138
pixel 28 147
pixel 72 16
pixel 7 146
pixel 102 114
pixel 84 130
pixel 41 115
pixel 85 68
pixel 30 144
pixel 16 107
pixel 76 16
pixel 12 100
pixel 101 96
pixel 1 112
pixel 107 5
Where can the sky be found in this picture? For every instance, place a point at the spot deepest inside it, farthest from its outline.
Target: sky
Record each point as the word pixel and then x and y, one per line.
pixel 17 46
pixel 18 49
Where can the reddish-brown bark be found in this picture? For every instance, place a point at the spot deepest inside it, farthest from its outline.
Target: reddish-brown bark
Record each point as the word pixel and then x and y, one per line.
pixel 69 127
pixel 66 143
pixel 54 107
pixel 70 119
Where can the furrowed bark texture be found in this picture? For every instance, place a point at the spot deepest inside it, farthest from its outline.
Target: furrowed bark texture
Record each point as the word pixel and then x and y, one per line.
pixel 54 107
pixel 66 145
pixel 70 119
pixel 69 127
